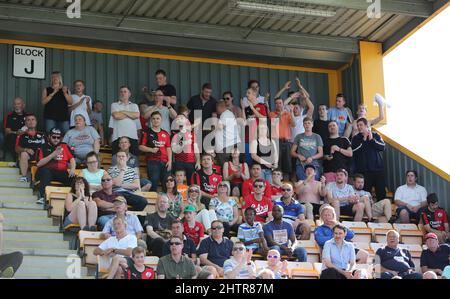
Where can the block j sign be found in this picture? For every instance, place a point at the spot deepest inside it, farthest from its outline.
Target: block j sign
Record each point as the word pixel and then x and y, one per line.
pixel 29 62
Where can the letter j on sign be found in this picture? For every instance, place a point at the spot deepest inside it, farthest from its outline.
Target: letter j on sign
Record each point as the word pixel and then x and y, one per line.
pixel 28 62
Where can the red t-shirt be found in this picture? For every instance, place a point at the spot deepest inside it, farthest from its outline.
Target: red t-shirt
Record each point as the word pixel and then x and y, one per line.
pixel 235 180
pixel 133 273
pixel 247 188
pixel 187 152
pixel 154 139
pixel 436 219
pixel 276 190
pixel 262 207
pixel 195 233
pixel 61 162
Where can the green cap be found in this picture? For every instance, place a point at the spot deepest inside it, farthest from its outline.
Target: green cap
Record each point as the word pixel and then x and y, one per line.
pixel 189 208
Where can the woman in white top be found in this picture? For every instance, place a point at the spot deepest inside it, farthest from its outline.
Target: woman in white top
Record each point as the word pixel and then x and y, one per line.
pixel 82 104
pixel 93 174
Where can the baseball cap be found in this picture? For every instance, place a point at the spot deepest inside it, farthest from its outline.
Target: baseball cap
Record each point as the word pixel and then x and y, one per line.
pixel 431 236
pixel 120 199
pixel 54 131
pixel 189 208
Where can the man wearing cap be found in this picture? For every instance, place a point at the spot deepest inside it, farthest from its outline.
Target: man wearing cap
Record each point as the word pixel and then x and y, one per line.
pixel 53 158
pixel 309 191
pixel 395 261
pixel 436 257
pixel 189 248
pixel 192 228
pixel 133 226
pixel 435 219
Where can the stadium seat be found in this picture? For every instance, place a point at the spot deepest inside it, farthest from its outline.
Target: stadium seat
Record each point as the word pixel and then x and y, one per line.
pixel 56 197
pixel 151 261
pixel 103 264
pixel 151 201
pixel 312 249
pixel 88 242
pixel 379 231
pixel 363 234
pixel 409 233
pixel 305 270
pixel 318 267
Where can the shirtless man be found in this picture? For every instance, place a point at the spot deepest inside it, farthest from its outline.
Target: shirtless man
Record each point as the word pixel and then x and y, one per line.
pixel 310 191
pixel 362 111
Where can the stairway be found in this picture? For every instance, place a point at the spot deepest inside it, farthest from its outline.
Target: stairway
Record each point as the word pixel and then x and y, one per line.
pixel 28 229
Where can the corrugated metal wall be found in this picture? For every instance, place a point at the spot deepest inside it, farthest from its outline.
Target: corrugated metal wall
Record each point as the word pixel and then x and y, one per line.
pixel 396 165
pixel 351 85
pixel 104 73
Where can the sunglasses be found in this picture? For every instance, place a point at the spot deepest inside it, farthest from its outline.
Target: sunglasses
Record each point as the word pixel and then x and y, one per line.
pixel 91 162
pixel 258 186
pixel 226 99
pixel 55 137
pixel 217 227
pixel 238 248
pixel 106 180
pixel 286 190
pixel 175 243
pixel 272 256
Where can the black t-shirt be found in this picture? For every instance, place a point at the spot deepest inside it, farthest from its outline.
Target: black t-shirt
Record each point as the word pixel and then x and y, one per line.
pixel 196 103
pixel 321 127
pixel 158 223
pixel 28 140
pixel 437 260
pixel 168 90
pixel 339 160
pixel 57 108
pixel 15 121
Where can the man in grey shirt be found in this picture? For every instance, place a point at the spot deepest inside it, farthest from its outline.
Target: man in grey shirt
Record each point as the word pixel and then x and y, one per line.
pixel 308 149
pixel 167 113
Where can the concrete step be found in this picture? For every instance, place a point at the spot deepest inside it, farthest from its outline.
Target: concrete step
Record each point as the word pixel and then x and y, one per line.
pixel 21 205
pixel 6 192
pixel 9 170
pixel 54 261
pixel 41 251
pixel 9 176
pixel 14 184
pixel 33 244
pixel 31 228
pixel 23 213
pixel 27 221
pixel 43 237
pixel 49 270
pixel 18 198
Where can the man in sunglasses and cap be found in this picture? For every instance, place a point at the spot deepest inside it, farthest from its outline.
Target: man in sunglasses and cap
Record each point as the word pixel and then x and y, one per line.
pixel 53 158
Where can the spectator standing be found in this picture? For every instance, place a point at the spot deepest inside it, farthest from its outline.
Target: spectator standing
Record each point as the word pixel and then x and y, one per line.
pixel 82 104
pixel 169 91
pixel 167 112
pixel 56 100
pixel 124 121
pixel 337 152
pixel 368 150
pixel 264 151
pixel 262 204
pixel 341 115
pixel 203 104
pixel 227 96
pixel 226 133
pixel 321 124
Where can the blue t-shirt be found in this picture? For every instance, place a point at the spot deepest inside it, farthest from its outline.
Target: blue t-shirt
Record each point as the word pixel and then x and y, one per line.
pixel 217 253
pixel 248 233
pixel 397 259
pixel 281 233
pixel 340 116
pixel 291 210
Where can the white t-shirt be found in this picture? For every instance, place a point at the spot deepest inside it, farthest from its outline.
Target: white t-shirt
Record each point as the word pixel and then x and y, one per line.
pixel 414 196
pixel 127 126
pixel 229 135
pixel 82 109
pixel 298 120
pixel 337 192
pixel 130 241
